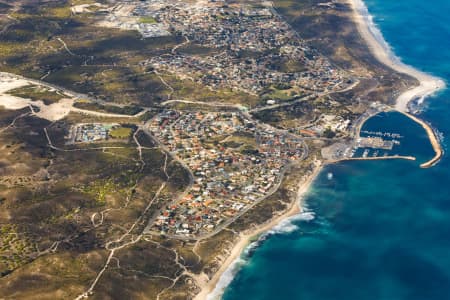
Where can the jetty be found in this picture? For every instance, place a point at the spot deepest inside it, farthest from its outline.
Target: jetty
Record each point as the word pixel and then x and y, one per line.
pixel 433 139
pixel 380 158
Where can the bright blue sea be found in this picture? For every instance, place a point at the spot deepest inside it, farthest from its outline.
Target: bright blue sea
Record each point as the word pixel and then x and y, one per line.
pixel 381 229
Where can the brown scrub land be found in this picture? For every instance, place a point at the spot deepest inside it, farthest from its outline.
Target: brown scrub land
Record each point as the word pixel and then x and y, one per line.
pixel 139 155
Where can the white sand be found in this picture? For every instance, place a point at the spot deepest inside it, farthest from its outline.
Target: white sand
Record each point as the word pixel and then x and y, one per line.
pixel 55 111
pixel 84 8
pixel 52 112
pixel 8 83
pixel 11 102
pixel 428 84
pixel 382 51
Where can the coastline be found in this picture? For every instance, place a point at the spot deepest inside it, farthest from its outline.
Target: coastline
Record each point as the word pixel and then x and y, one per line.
pixel 433 139
pixel 250 235
pixel 211 290
pixel 428 84
pixel 373 37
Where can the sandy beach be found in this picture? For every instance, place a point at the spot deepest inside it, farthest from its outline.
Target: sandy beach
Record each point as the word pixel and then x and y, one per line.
pixel 428 84
pixel 208 289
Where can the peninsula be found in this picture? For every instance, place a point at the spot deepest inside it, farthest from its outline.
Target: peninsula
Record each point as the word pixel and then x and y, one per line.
pixel 428 85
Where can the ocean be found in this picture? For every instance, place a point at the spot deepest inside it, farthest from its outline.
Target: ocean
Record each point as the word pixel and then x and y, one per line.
pixel 374 229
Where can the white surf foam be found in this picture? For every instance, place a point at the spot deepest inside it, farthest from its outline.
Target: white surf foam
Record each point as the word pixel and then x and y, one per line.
pixel 284 227
pixel 226 279
pixel 288 225
pixel 429 84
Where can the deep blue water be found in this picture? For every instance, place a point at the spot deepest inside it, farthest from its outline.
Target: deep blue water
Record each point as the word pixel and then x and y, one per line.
pixel 381 229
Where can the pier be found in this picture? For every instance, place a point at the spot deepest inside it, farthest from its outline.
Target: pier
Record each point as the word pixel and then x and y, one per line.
pixel 391 157
pixel 375 143
pixel 380 158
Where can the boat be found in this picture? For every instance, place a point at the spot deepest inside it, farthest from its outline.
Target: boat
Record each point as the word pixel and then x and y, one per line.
pixel 366 153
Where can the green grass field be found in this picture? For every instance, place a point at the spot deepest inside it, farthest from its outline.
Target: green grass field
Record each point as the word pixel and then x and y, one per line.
pixel 120 132
pixel 147 20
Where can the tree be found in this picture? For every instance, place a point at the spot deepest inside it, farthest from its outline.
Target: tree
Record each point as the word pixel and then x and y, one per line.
pixel 328 133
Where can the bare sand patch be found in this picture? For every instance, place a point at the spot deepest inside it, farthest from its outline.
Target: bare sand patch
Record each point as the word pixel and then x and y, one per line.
pixel 52 112
pixel 55 111
pixel 84 8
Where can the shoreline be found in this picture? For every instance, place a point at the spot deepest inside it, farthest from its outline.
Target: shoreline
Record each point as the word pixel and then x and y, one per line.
pixel 439 152
pixel 250 235
pixel 208 289
pixel 428 84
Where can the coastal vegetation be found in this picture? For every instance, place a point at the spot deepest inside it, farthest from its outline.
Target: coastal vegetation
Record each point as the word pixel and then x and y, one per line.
pixel 80 214
pixel 36 93
pixel 121 110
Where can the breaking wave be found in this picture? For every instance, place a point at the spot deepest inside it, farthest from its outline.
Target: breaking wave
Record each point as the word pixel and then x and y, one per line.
pixel 226 279
pixel 284 227
pixel 288 225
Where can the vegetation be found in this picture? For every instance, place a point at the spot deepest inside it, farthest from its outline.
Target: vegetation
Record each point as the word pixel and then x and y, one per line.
pixel 58 209
pixel 282 93
pixel 147 20
pixel 83 183
pixel 15 250
pixel 329 133
pixel 99 190
pixel 36 93
pixel 112 109
pixel 120 132
pixel 186 89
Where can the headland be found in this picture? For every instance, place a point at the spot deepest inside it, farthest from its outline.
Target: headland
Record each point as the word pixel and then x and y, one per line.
pixel 382 52
pixel 428 84
pixel 156 140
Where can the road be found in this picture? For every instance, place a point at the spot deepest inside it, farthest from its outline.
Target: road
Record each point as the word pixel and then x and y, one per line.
pixel 240 108
pixel 247 208
pixel 67 92
pixel 152 219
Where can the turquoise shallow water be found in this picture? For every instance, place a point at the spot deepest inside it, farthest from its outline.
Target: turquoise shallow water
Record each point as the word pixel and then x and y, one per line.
pixel 381 229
